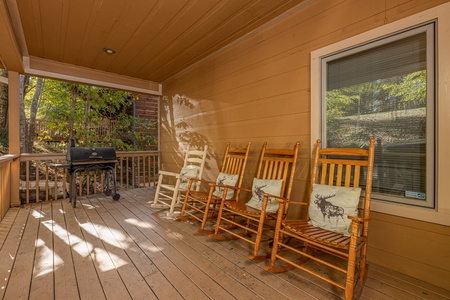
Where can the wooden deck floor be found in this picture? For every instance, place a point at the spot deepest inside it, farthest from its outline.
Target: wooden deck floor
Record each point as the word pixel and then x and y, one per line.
pixel 124 249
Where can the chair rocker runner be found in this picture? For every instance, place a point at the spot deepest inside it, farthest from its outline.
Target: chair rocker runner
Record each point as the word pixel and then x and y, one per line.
pixel 336 224
pixel 203 205
pixel 170 188
pixel 253 221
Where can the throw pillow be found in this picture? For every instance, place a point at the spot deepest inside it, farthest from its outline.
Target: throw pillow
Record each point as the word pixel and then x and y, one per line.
pixel 330 205
pixel 186 173
pixel 265 186
pixel 225 179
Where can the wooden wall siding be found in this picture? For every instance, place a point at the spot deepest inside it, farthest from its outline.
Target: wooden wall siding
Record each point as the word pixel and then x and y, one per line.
pixel 147 108
pixel 415 248
pixel 258 89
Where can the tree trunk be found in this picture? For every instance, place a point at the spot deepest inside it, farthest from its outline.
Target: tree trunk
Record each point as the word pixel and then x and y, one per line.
pixel 87 99
pixel 73 90
pixel 33 113
pixel 23 88
pixel 3 108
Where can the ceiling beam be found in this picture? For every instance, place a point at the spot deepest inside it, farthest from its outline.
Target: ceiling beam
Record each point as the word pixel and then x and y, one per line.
pixel 67 72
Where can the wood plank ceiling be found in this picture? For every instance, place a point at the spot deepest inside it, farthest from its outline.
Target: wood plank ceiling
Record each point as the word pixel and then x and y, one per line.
pixel 153 39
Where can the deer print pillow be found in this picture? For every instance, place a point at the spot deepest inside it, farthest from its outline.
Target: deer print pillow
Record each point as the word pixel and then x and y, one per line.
pixel 265 186
pixel 225 179
pixel 186 173
pixel 330 205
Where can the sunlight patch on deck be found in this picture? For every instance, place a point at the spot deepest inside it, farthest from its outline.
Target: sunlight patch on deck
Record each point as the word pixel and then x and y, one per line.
pixel 138 223
pixel 107 261
pixel 108 235
pixel 46 260
pixel 36 214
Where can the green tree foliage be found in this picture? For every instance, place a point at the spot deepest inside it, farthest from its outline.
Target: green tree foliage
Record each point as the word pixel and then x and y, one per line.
pixel 355 113
pixel 93 116
pixel 399 92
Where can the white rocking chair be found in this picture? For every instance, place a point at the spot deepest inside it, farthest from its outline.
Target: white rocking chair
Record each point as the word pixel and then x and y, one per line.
pixel 171 186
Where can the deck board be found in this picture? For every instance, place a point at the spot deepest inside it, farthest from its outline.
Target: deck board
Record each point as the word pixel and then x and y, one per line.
pixel 140 249
pixel 21 273
pixel 195 258
pixel 103 253
pixel 86 276
pixel 16 220
pixel 170 255
pixel 106 249
pixel 42 279
pixel 125 250
pixel 64 273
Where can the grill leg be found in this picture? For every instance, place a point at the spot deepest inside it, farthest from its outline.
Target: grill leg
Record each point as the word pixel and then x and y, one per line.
pixel 73 188
pixel 115 195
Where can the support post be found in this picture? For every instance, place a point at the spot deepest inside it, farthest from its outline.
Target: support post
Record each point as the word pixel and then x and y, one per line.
pixel 14 134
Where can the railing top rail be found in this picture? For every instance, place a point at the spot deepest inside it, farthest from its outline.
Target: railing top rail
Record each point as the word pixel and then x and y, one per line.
pixel 41 156
pixel 62 156
pixel 137 153
pixel 7 159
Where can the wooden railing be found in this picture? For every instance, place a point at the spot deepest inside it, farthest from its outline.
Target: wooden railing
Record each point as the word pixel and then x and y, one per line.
pixel 5 183
pixel 48 133
pixel 43 178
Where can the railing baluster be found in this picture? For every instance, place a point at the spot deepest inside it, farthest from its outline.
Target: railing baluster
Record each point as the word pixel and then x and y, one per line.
pixel 134 169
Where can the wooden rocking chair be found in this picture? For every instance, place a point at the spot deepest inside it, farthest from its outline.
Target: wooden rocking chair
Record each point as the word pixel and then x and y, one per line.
pixel 335 224
pixel 250 220
pixel 204 205
pixel 171 186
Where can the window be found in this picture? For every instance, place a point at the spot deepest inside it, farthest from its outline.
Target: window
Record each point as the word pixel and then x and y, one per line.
pixel 385 89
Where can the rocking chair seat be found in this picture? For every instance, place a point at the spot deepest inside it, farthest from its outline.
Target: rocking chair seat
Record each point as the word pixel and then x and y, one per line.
pixel 203 196
pixel 243 208
pixel 320 235
pixel 202 204
pixel 253 221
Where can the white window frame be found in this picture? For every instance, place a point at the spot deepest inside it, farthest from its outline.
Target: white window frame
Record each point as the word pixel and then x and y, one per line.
pixel 441 213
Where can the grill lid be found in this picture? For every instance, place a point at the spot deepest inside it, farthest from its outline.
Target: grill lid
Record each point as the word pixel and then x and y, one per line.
pixel 94 154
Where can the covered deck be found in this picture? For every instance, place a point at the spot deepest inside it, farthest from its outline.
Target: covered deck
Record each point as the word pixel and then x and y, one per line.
pixel 106 249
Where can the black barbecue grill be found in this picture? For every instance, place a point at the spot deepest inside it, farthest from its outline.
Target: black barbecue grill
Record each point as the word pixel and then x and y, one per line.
pixel 82 159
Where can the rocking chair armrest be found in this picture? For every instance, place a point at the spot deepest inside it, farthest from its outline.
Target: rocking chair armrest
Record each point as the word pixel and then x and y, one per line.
pixel 282 201
pixel 236 188
pixel 266 199
pixel 278 198
pixel 213 183
pixel 298 203
pixel 168 173
pixel 358 219
pixel 200 180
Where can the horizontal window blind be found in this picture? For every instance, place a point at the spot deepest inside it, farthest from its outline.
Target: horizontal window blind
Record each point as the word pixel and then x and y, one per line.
pixel 383 91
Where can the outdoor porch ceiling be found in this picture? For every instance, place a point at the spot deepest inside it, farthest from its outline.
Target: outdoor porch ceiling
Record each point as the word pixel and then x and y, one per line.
pixel 152 39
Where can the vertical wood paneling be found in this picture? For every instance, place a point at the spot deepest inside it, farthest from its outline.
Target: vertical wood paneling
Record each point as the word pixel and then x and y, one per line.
pixel 258 90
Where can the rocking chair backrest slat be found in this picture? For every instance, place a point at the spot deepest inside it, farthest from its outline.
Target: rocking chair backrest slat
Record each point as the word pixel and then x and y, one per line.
pixel 233 164
pixel 333 168
pixel 277 164
pixel 235 161
pixel 197 159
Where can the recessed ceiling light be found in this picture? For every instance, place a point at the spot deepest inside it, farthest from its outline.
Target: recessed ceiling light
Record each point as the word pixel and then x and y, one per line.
pixel 109 51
